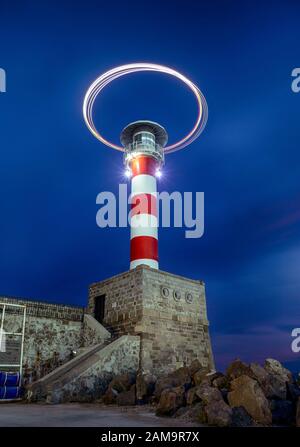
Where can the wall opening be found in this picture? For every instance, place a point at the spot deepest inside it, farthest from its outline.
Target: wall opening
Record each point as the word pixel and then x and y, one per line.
pixel 99 308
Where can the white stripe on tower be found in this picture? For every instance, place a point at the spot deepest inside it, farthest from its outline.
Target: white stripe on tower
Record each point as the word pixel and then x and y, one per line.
pixel 143 219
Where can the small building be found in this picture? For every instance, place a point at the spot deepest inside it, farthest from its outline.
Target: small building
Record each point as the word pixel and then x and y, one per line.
pixel 144 320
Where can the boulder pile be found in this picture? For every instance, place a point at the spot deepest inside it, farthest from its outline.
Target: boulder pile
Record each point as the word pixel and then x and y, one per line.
pixel 245 395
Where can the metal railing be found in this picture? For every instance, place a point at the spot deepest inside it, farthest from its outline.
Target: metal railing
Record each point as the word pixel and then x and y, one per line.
pixel 19 334
pixel 142 148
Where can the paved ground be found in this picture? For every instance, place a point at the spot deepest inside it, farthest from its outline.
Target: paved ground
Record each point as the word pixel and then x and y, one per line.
pixel 81 415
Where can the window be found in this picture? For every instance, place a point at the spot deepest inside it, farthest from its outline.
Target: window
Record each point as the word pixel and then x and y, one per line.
pixel 144 138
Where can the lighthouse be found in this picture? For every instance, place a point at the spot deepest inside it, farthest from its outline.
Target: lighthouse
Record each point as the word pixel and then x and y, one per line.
pixel 143 143
pixel 162 314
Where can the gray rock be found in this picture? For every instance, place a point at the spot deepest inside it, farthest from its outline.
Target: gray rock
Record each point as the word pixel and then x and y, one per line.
pixel 218 413
pixel 277 387
pixel 275 367
pixel 273 386
pixel 261 375
pixel 241 418
pixel 208 394
pixel 195 413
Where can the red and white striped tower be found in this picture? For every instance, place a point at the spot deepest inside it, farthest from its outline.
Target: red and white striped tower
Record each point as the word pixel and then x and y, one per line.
pixel 143 142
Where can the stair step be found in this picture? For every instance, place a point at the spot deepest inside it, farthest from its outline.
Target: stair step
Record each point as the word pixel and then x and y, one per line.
pixel 76 364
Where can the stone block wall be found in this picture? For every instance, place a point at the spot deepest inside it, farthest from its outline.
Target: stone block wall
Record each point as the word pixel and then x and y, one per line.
pixel 174 323
pixel 166 310
pixel 52 332
pixel 123 301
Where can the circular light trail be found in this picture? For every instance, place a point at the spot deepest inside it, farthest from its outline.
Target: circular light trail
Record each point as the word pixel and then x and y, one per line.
pixel 106 78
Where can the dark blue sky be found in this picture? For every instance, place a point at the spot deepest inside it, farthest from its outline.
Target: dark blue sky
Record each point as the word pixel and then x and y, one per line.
pixel 247 161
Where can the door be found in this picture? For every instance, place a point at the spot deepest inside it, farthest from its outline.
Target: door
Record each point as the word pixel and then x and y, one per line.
pixel 99 308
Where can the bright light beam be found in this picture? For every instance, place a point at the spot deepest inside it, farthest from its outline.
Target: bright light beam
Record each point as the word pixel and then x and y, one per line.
pixel 106 78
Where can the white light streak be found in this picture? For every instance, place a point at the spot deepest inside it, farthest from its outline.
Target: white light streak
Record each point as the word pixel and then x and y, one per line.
pixel 106 78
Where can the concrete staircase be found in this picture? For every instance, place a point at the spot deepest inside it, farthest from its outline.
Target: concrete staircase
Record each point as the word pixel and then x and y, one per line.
pixel 43 388
pixel 85 377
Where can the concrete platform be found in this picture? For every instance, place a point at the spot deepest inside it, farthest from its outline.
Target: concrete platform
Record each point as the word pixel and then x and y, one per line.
pixel 82 415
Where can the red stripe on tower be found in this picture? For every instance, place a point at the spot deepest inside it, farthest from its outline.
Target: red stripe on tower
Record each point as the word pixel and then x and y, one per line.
pixel 143 217
pixel 143 143
pixel 144 247
pixel 143 165
pixel 143 204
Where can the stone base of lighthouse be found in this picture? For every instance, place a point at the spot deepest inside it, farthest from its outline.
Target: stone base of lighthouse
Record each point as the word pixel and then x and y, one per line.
pixel 168 313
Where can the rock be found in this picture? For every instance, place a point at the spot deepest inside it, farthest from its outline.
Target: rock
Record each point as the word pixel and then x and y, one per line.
pixel 119 384
pixel 208 393
pixel 298 414
pixel 198 413
pixel 182 413
pixel 277 387
pixel 212 376
pixel 191 396
pixel 276 368
pixel 282 412
pixel 247 393
pixel 260 374
pixel 122 382
pixel 200 375
pixel 127 397
pixel 273 386
pixel 199 392
pixel 236 369
pixel 203 375
pixel 218 413
pixel 241 418
pixel 170 400
pixel 193 413
pixel 293 392
pixel 180 377
pixel 194 367
pixel 110 397
pixel 224 393
pixel 220 382
pixel 145 384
